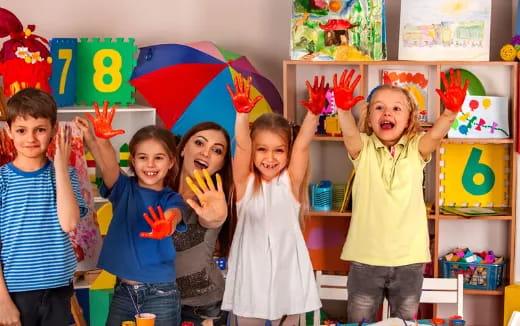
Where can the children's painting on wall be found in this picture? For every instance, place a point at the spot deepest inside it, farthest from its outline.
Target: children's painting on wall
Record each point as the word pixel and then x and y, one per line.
pixel 351 30
pixel 482 117
pixel 445 30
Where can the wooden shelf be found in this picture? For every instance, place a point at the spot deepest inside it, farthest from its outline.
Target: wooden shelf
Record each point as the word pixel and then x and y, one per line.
pixel 482 217
pixel 499 291
pixel 477 141
pixel 330 213
pixel 327 138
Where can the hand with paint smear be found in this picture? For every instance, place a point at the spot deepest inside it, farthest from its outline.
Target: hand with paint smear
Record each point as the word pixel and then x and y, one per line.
pixel 316 96
pixel 102 122
pixel 161 225
pixel 213 205
pixel 241 100
pixel 344 91
pixel 454 94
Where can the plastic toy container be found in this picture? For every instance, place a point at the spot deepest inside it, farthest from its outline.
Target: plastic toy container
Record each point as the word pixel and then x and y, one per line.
pixel 321 196
pixel 476 276
pixel 338 192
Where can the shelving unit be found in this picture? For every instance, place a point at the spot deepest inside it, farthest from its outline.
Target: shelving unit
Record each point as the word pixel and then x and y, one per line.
pixel 329 161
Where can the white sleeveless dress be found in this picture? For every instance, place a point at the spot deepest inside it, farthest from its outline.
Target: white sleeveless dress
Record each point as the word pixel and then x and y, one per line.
pixel 269 269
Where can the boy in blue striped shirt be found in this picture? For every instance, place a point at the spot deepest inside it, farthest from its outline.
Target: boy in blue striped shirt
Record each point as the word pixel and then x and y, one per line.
pixel 40 203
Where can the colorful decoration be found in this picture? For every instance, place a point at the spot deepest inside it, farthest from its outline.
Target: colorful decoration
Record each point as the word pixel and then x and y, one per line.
pixel 187 84
pixel 64 70
pixel 415 82
pixel 445 30
pixel 474 175
pixel 482 117
pixel 338 30
pixel 124 157
pixel 24 59
pixel 106 67
pixel 91 167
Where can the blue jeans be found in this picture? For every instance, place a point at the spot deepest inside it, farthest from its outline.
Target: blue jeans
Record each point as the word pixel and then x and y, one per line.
pixel 367 286
pixel 161 299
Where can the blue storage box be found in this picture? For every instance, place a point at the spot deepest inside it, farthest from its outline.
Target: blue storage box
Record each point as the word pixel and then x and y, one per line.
pixel 476 276
pixel 321 196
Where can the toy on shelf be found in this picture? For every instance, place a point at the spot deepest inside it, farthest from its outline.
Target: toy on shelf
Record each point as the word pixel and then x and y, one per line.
pixel 511 51
pixel 25 58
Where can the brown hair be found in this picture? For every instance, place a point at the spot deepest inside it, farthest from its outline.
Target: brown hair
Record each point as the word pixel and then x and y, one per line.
pixel 277 124
pixel 34 103
pixel 225 236
pixel 167 140
pixel 414 126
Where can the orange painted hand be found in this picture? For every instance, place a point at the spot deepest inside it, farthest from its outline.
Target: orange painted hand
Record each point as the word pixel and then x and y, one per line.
pixel 344 91
pixel 454 94
pixel 162 226
pixel 241 100
pixel 316 95
pixel 213 205
pixel 103 122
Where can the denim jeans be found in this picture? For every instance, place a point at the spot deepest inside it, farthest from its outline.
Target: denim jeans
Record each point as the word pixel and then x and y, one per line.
pixel 161 299
pixel 49 307
pixel 210 311
pixel 367 286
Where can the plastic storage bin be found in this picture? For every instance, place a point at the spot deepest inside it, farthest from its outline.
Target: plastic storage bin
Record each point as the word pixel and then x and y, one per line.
pixel 321 196
pixel 476 276
pixel 338 192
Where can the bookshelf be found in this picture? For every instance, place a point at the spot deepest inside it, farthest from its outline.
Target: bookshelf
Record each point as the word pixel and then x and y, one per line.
pixel 329 161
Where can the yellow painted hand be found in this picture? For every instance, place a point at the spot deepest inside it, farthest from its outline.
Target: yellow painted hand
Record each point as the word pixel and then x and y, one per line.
pixel 212 200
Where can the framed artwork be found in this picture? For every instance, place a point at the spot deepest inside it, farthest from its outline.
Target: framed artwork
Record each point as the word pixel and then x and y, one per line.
pixel 445 30
pixel 352 30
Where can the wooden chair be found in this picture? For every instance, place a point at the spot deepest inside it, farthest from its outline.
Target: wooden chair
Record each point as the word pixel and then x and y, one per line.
pixel 439 290
pixel 330 287
pixel 77 312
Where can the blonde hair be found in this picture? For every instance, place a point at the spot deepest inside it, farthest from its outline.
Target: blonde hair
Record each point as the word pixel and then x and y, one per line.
pixel 414 126
pixel 277 124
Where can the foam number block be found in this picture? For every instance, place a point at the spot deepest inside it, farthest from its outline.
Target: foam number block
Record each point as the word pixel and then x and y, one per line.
pixel 106 67
pixel 482 117
pixel 474 175
pixel 64 70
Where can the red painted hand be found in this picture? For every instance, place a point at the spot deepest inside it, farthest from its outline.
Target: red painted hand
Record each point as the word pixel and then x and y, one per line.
pixel 241 100
pixel 344 91
pixel 316 95
pixel 162 226
pixel 454 95
pixel 103 122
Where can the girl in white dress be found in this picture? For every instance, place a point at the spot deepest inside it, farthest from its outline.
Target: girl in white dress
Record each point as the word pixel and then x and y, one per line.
pixel 270 273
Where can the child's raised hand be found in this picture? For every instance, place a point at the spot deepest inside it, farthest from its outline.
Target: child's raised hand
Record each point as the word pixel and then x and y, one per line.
pixel 454 94
pixel 344 91
pixel 162 226
pixel 316 95
pixel 63 147
pixel 241 99
pixel 103 122
pixel 212 201
pixel 83 125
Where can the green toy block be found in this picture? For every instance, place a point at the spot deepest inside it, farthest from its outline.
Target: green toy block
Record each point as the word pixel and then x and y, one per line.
pixel 99 301
pixel 105 68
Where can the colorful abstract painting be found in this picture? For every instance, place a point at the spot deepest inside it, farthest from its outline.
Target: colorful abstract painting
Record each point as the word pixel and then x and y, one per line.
pixel 445 30
pixel 351 30
pixel 474 175
pixel 482 117
pixel 415 82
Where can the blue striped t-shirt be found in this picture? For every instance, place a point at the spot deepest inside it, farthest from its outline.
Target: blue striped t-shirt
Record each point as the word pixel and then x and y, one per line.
pixel 35 252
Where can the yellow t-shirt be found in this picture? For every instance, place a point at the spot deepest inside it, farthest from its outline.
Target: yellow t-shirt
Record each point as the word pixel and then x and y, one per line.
pixel 389 226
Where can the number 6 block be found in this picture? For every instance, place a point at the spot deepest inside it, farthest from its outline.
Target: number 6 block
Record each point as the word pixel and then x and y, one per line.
pixel 104 70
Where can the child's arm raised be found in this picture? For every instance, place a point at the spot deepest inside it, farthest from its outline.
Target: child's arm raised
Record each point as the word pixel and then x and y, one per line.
pixel 243 105
pixel 9 314
pixel 67 205
pixel 100 146
pixel 345 101
pixel 300 149
pixel 453 98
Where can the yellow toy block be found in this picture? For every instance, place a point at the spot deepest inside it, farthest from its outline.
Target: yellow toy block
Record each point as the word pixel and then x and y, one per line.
pixel 104 216
pixel 105 280
pixel 511 301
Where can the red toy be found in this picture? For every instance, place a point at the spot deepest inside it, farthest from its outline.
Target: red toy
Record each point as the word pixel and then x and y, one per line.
pixel 25 58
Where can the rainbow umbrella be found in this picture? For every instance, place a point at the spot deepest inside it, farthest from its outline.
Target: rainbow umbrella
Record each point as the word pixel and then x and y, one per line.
pixel 186 83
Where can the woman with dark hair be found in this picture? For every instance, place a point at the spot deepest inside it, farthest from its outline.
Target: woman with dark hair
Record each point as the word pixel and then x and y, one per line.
pixel 200 281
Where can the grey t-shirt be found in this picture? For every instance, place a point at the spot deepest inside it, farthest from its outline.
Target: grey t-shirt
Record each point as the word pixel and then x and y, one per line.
pixel 199 279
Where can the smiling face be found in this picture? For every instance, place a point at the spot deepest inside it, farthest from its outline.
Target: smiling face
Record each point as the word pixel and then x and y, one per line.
pixel 389 115
pixel 151 163
pixel 205 149
pixel 270 154
pixel 31 137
